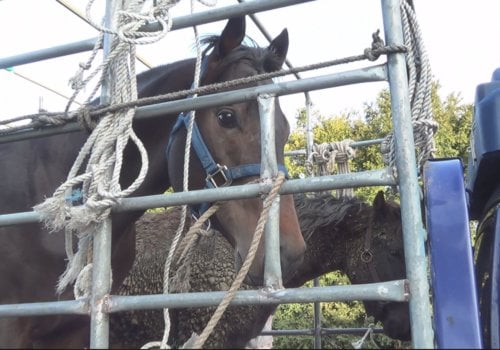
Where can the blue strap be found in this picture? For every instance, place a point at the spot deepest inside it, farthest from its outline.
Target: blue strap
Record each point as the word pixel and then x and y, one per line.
pixel 246 170
pixel 200 147
pixel 212 169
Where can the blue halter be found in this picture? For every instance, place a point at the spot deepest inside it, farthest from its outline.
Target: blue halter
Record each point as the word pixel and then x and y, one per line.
pixel 217 175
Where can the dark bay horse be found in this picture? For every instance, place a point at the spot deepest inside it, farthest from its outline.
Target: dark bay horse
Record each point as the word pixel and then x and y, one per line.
pixel 31 260
pixel 339 234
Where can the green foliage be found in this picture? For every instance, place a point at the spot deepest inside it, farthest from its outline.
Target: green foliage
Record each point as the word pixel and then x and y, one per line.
pixel 455 119
pixel 334 315
pixel 451 140
pixel 161 209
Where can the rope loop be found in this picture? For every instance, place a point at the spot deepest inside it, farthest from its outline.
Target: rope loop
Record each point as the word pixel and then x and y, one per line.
pixel 97 168
pixel 420 91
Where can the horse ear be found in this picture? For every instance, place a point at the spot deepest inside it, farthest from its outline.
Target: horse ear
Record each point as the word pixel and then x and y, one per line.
pixel 232 35
pixel 279 49
pixel 379 204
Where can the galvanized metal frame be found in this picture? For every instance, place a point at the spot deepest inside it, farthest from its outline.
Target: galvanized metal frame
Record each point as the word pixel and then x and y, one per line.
pixel 394 72
pixel 413 229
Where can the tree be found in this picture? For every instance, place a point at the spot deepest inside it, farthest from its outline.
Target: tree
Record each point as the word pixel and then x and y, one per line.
pixel 451 140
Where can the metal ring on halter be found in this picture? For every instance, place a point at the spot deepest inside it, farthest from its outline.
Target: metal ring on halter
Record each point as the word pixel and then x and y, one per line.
pixel 366 256
pixel 207 224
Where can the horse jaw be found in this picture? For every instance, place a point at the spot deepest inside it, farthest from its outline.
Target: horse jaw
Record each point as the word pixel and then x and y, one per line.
pixel 238 220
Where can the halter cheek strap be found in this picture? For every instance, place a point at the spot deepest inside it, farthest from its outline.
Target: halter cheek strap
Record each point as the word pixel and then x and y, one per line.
pixel 217 175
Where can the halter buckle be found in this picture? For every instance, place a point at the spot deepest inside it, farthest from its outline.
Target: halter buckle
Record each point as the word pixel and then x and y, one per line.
pixel 219 174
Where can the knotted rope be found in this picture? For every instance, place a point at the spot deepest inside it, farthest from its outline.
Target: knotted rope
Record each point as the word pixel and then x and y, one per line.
pixel 323 158
pixel 185 184
pixel 96 170
pixel 197 341
pixel 200 340
pixel 58 118
pixel 419 85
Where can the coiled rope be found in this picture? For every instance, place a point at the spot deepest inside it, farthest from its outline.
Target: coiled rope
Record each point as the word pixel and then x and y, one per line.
pixel 96 170
pixel 419 85
pixel 325 156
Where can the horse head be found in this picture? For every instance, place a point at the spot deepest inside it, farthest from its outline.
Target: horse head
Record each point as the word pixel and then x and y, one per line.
pixel 232 135
pixel 379 257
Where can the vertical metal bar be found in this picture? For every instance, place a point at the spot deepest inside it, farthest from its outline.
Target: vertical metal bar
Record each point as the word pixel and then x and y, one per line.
pixel 413 231
pixel 111 7
pixel 309 133
pixel 269 169
pixel 101 286
pixel 101 271
pixel 317 319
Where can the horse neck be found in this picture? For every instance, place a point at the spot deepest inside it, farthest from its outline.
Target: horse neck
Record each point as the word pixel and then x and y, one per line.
pixel 154 132
pixel 330 240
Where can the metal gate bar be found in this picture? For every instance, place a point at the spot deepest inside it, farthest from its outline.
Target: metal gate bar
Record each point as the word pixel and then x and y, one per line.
pixel 375 73
pixel 180 22
pixel 386 291
pixel 414 234
pixel 413 230
pixel 382 177
pixel 269 170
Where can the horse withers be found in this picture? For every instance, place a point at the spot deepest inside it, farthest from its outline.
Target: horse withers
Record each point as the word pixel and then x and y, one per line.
pixel 31 259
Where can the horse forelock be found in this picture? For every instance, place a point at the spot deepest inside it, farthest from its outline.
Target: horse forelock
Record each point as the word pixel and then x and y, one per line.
pixel 258 58
pixel 324 210
pixel 246 60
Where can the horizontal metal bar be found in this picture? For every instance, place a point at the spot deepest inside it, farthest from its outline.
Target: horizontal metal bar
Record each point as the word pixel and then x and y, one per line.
pixel 356 76
pixel 64 307
pixel 180 22
pixel 222 13
pixel 384 291
pixel 302 152
pixel 395 290
pixel 323 331
pixel 382 177
pixel 51 52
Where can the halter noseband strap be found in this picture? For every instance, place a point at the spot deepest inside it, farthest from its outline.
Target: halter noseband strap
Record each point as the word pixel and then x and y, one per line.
pixel 217 175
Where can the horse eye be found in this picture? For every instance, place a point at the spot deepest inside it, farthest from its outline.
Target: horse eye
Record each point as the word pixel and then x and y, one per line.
pixel 227 118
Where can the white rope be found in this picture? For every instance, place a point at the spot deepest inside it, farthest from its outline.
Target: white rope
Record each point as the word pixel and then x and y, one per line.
pixel 325 156
pixel 358 344
pixel 98 165
pixel 419 85
pixel 187 151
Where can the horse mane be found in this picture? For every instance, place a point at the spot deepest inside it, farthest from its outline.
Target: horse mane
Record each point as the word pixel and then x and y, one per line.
pixel 312 213
pixel 209 42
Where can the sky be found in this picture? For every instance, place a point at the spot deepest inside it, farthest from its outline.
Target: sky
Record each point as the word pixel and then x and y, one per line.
pixel 461 38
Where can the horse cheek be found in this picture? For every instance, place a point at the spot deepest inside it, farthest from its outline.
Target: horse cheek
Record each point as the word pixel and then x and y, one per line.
pixel 292 243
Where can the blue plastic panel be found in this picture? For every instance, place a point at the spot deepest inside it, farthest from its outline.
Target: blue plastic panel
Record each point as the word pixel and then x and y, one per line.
pixel 484 157
pixel 456 311
pixel 495 287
